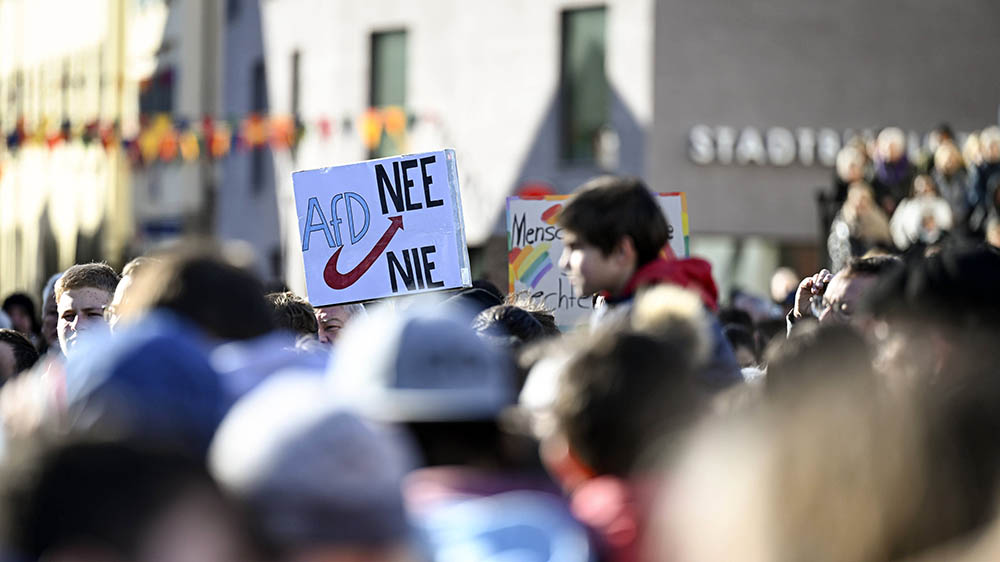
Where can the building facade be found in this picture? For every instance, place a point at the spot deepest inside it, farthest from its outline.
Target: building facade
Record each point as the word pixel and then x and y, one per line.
pixel 64 64
pixel 528 92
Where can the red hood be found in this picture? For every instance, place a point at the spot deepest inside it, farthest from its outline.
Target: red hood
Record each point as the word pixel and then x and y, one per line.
pixel 694 274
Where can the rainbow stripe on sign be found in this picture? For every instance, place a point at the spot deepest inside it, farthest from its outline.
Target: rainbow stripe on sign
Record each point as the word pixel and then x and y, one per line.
pixel 530 264
pixel 551 214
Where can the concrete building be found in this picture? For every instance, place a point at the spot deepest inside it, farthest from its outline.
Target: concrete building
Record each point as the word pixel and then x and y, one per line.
pixel 741 106
pixel 752 101
pixel 481 77
pixel 245 205
pixel 74 62
pixel 186 83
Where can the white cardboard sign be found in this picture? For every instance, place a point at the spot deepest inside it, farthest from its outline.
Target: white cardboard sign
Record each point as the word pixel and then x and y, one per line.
pixel 534 244
pixel 382 228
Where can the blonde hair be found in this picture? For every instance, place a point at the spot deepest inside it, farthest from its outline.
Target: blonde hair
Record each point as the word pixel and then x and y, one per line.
pixel 676 314
pixel 971 150
pixel 846 157
pixel 944 153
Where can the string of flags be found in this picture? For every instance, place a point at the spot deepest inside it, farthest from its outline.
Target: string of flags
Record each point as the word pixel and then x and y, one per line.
pixel 167 138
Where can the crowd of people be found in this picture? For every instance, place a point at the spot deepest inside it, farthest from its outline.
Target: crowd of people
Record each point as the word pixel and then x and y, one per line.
pixel 889 203
pixel 176 411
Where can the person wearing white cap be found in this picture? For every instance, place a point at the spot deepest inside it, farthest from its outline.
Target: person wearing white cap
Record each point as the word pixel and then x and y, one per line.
pixel 321 484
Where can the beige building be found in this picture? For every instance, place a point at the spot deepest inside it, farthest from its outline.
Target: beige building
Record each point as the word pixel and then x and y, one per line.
pixel 80 62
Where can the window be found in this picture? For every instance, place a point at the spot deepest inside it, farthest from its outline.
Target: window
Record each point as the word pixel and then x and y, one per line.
pixel 584 86
pixel 156 94
pixel 258 104
pixel 388 81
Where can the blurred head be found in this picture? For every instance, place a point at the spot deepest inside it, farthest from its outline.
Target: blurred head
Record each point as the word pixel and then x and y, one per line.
pixel 611 226
pixel 844 292
pixel 817 354
pixel 103 502
pixel 536 308
pixel 851 164
pixel 203 284
pixel 860 195
pixel 947 158
pixel 924 186
pixel 993 232
pixel 50 312
pixel 509 325
pixel 623 397
pixel 971 151
pixel 941 134
pixel 83 292
pixel 423 364
pixel 123 290
pixel 744 345
pixel 320 483
pixel 783 284
pixel 16 354
pixel 293 314
pixel 989 144
pixel 21 310
pixel 891 144
pixel 833 476
pixel 939 315
pixel 332 319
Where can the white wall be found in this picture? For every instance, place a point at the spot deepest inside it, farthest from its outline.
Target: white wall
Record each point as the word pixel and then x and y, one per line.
pixel 489 71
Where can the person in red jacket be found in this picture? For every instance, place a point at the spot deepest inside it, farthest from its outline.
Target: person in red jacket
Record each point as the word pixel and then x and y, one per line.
pixel 616 244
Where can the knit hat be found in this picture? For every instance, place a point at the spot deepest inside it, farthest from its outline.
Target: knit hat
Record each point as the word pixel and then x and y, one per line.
pixel 151 381
pixel 312 473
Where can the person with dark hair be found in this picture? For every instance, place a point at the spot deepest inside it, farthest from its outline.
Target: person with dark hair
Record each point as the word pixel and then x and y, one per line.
pixel 97 502
pixel 509 325
pixel 489 287
pixel 818 354
pixel 614 236
pixel 611 421
pixel 476 299
pixel 16 354
pixel 83 292
pixel 940 319
pixel 198 283
pixel 743 343
pixel 536 308
pixel 730 316
pixel 21 309
pixel 624 403
pixel 50 316
pixel 827 297
pixel 292 313
pixel 620 219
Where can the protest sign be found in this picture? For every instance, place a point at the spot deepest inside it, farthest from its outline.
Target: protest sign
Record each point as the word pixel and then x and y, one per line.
pixel 534 244
pixel 382 228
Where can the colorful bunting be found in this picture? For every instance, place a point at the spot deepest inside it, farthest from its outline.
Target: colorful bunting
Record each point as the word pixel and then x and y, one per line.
pixel 167 138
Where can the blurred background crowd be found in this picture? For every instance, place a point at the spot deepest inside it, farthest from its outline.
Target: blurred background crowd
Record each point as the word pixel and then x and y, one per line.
pixel 816 381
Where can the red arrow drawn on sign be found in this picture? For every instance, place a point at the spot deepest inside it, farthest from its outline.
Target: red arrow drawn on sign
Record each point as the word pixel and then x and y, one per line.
pixel 338 280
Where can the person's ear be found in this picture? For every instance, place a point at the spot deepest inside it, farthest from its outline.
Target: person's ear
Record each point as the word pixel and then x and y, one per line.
pixel 625 251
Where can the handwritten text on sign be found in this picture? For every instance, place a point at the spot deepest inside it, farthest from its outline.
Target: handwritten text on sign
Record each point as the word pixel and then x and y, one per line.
pixel 381 228
pixel 534 244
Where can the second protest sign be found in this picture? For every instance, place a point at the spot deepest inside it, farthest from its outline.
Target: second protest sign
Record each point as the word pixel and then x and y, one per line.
pixel 534 244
